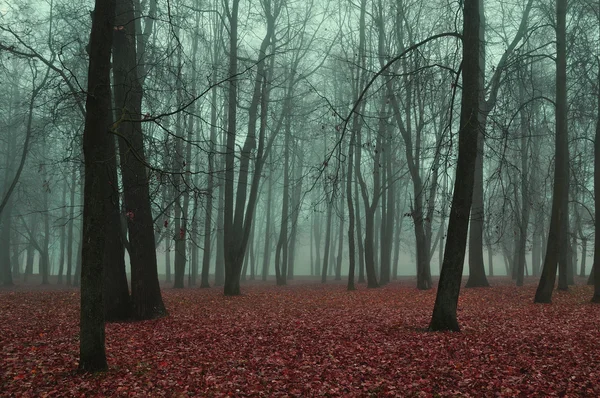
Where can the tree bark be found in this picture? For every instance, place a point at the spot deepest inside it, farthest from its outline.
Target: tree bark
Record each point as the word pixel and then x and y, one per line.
pixel 117 302
pixel 444 311
pixel 558 219
pixel 145 289
pixel 92 356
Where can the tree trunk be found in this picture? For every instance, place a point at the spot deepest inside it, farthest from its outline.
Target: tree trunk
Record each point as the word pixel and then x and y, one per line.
pixel 525 181
pixel 45 252
pixel 583 257
pixel 444 311
pixel 359 234
pixel 145 288
pixel 117 302
pixel 267 246
pixel 63 238
pixel 340 247
pixel 350 204
pixel 477 276
pixel 327 241
pixel 70 236
pixel 92 356
pixel 558 218
pixel 281 251
pixel 296 199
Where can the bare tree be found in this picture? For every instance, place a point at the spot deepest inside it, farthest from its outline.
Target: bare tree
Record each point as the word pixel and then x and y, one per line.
pixel 444 310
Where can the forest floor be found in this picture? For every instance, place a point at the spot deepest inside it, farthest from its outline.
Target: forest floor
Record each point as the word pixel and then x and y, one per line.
pixel 309 339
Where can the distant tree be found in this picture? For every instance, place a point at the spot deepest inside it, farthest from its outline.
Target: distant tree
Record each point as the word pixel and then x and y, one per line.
pixel 555 251
pixel 444 311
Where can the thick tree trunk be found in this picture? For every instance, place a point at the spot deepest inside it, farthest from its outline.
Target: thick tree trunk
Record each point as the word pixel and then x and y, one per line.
pixel 117 302
pixel 477 276
pixel 92 356
pixel 145 288
pixel 444 311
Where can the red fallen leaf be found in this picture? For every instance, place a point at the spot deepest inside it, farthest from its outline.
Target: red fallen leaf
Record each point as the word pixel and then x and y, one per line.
pixel 181 233
pixel 309 340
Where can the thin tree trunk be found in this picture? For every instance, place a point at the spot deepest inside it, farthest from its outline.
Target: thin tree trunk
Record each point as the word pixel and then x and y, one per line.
pixel 558 219
pixel 327 241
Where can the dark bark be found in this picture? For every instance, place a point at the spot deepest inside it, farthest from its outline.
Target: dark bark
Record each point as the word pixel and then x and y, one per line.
pixel 444 311
pixel 583 257
pixel 476 265
pixel 238 215
pixel 92 356
pixel 477 277
pixel 558 218
pixel 117 302
pixel 145 289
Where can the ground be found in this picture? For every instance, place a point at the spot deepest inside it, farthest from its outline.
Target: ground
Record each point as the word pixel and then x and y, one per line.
pixel 309 339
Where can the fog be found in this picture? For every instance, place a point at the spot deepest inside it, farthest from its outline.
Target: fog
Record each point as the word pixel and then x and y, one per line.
pixel 255 152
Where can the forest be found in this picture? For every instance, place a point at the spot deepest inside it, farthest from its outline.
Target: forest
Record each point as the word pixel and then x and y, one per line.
pixel 299 197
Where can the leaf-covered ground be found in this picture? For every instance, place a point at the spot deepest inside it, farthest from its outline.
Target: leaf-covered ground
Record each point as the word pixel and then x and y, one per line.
pixel 310 340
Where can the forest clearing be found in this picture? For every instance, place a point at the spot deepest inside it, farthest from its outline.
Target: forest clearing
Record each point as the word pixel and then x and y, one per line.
pixel 309 339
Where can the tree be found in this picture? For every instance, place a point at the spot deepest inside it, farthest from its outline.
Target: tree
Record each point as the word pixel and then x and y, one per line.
pixel 477 276
pixel 555 252
pixel 444 310
pixel 238 215
pixel 145 289
pixel 92 356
